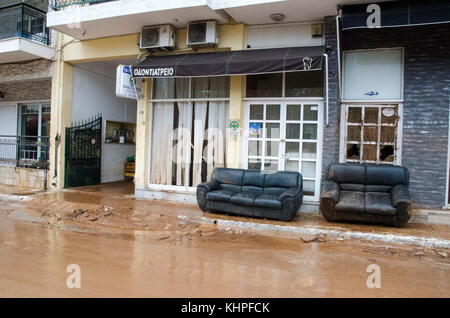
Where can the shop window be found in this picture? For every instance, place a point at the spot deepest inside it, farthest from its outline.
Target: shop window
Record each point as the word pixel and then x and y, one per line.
pixel 373 75
pixel 304 84
pixel 201 87
pixel 371 133
pixel 297 84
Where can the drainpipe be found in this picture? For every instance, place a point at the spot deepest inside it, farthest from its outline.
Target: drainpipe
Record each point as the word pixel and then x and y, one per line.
pixel 326 89
pixel 338 49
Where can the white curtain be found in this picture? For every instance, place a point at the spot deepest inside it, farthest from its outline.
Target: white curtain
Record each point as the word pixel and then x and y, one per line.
pixel 161 157
pixel 217 120
pixel 199 132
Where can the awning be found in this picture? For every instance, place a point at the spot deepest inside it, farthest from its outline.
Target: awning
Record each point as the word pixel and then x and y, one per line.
pixel 232 62
pixel 396 13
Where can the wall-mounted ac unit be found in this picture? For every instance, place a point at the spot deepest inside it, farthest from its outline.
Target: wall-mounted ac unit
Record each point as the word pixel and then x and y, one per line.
pixel 158 37
pixel 202 33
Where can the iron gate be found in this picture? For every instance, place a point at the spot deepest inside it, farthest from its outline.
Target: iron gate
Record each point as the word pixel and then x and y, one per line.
pixel 83 153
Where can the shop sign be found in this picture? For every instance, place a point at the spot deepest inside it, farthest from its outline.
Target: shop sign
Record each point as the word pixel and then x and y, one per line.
pixel 125 83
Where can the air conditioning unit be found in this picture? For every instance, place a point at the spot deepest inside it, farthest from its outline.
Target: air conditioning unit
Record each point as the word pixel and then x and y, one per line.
pixel 158 37
pixel 202 33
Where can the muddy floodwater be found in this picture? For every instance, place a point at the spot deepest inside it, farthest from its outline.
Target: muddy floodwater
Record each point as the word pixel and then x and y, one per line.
pixel 132 248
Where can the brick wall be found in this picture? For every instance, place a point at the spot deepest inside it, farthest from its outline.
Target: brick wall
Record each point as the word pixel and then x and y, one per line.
pixel 426 102
pixel 26 90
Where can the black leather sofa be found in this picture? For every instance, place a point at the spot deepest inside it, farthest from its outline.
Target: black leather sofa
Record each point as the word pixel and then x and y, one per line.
pixel 366 193
pixel 252 193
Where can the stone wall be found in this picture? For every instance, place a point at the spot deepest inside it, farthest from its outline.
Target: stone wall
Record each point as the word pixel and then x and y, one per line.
pixel 22 180
pixel 26 90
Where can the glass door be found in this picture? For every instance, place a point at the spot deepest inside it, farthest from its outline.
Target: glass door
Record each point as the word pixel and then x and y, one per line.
pixel 286 136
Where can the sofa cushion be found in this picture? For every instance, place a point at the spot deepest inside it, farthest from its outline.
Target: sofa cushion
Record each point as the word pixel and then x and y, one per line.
pixel 350 201
pixel 268 200
pixel 284 179
pixel 386 175
pixel 253 178
pixel 230 187
pixel 249 188
pixel 228 176
pixel 274 190
pixel 351 187
pixel 379 203
pixel 220 195
pixel 347 173
pixel 378 188
pixel 244 198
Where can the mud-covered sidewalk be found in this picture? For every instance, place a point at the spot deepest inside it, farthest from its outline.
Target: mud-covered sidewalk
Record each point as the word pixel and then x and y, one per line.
pixel 131 247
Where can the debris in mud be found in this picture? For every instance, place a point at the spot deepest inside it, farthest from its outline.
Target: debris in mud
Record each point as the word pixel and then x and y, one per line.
pixel 163 238
pixel 77 213
pixel 419 254
pixel 315 239
pixel 442 254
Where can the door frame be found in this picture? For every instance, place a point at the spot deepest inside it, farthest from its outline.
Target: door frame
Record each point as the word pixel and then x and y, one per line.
pixel 283 102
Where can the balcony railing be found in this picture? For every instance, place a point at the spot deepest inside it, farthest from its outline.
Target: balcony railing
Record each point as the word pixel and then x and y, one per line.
pixel 25 151
pixel 22 20
pixel 59 4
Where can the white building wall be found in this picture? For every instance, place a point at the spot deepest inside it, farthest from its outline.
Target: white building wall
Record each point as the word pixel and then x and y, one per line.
pixel 94 87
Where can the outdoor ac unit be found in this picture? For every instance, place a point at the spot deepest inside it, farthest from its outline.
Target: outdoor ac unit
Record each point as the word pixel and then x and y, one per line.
pixel 156 37
pixel 202 33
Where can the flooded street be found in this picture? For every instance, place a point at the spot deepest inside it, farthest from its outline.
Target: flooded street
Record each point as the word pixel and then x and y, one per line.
pixel 136 248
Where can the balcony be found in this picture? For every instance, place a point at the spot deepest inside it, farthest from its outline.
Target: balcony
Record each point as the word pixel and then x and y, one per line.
pixel 24 151
pixel 23 34
pixel 61 4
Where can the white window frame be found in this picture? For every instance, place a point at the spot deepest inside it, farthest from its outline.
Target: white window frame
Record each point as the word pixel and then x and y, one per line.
pixel 320 124
pixel 343 132
pixel 165 187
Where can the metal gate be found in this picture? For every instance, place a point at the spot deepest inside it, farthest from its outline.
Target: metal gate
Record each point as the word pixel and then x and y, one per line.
pixel 83 153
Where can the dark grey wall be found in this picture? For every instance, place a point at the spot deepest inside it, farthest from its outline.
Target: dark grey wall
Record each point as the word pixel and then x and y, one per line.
pixel 426 102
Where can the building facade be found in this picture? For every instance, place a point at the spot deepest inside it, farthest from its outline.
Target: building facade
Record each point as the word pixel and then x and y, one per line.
pixel 285 85
pixel 25 92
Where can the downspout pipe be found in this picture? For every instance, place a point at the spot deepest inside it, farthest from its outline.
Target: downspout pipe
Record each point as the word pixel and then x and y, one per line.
pixel 338 51
pixel 326 90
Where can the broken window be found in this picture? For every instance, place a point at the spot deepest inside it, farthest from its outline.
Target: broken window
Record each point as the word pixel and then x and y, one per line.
pixel 371 133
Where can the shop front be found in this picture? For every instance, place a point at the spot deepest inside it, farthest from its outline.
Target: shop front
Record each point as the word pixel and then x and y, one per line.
pixel 279 127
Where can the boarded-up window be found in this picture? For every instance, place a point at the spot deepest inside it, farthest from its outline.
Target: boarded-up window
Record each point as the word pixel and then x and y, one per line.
pixel 371 133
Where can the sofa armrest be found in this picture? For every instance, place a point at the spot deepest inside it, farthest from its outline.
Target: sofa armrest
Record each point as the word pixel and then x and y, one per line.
pixel 209 186
pixel 330 191
pixel 399 195
pixel 291 192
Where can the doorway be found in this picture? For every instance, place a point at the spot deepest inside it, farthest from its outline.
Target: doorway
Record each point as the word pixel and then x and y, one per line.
pixel 286 136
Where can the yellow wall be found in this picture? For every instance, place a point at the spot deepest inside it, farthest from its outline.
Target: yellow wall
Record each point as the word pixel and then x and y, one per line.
pixel 70 51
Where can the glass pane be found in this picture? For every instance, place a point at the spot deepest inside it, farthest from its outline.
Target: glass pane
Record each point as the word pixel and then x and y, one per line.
pixel 387 153
pixel 219 87
pixel 309 131
pixel 388 115
pixel 310 112
pixel 354 115
pixel 309 150
pixel 272 149
pixel 308 187
pixel 304 84
pixel 254 164
pixel 29 124
pixel 256 112
pixel 354 133
pixel 371 134
pixel 370 153
pixel 273 112
pixel 293 112
pixel 46 108
pixel 371 115
pixel 292 131
pixel 255 130
pixel 309 169
pixel 255 148
pixel 292 150
pixel 200 87
pixel 353 151
pixel 270 165
pixel 272 130
pixel 291 165
pixel 163 88
pixel 387 134
pixel 45 125
pixel 264 85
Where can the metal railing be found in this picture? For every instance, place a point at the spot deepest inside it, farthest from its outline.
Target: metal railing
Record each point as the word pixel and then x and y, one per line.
pixel 25 151
pixel 25 21
pixel 59 4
